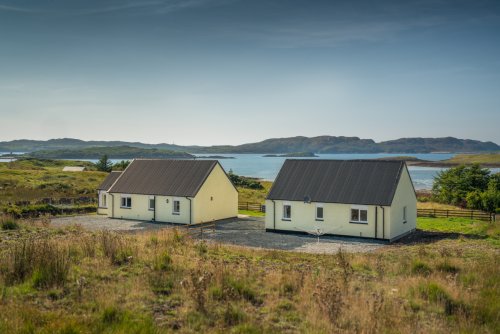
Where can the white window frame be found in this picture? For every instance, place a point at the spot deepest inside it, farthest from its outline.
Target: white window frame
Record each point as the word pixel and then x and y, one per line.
pixel 320 206
pixel 151 198
pixel 404 214
pixel 284 216
pixel 359 208
pixel 104 200
pixel 127 205
pixel 178 201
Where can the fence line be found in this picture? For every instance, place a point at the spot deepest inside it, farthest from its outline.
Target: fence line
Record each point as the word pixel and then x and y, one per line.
pixel 472 214
pixel 251 206
pixel 55 201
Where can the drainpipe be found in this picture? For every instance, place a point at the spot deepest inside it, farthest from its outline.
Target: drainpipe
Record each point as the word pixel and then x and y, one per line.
pixel 274 214
pixel 190 204
pixel 383 222
pixel 154 209
pixel 376 221
pixel 112 205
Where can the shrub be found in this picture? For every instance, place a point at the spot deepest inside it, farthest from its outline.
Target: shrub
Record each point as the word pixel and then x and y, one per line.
pixel 115 248
pixel 233 315
pixel 241 288
pixel 46 262
pixel 421 268
pixel 447 268
pixel 434 293
pixel 163 262
pixel 112 315
pixel 9 224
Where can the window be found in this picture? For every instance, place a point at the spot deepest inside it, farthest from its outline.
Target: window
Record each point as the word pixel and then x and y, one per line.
pixel 287 212
pixel 176 207
pixel 359 215
pixel 104 203
pixel 126 202
pixel 319 212
pixel 151 203
pixel 404 214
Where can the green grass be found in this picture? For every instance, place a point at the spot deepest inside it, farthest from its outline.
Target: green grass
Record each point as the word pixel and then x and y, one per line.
pixel 168 285
pixel 252 195
pixel 488 158
pixel 467 227
pixel 251 213
pixel 31 179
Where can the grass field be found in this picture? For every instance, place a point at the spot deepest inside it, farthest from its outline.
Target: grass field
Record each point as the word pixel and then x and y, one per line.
pixel 29 180
pixel 74 281
pixel 487 158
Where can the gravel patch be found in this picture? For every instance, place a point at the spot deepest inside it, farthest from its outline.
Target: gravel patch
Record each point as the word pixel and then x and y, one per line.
pixel 245 231
pixel 100 222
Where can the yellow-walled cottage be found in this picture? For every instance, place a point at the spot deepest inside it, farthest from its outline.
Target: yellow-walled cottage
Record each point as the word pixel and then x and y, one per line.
pixel 173 191
pixel 360 198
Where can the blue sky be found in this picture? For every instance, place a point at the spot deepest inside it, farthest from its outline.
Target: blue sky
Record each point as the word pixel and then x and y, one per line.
pixel 228 72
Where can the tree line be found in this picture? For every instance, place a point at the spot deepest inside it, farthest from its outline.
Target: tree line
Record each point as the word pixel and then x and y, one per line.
pixel 469 187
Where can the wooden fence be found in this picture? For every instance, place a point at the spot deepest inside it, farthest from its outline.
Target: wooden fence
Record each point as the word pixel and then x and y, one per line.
pixel 251 206
pixel 471 214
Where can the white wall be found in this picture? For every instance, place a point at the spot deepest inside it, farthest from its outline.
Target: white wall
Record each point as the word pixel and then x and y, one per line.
pixel 336 219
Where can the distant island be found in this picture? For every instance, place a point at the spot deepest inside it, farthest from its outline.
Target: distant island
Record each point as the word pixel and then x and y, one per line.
pixel 292 155
pixel 488 160
pixel 320 144
pixel 117 152
pixel 213 157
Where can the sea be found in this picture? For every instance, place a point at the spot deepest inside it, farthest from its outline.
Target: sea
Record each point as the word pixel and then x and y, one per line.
pixel 267 168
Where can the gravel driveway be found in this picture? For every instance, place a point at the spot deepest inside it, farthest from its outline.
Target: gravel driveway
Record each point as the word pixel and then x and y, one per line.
pixel 245 231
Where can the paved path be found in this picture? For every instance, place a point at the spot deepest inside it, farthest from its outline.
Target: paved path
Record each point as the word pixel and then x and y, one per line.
pixel 247 231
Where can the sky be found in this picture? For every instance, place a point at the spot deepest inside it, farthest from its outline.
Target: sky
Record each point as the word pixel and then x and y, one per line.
pixel 211 72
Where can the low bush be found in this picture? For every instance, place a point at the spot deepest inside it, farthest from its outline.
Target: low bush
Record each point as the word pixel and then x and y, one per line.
pixel 116 248
pixel 47 263
pixel 9 224
pixel 421 268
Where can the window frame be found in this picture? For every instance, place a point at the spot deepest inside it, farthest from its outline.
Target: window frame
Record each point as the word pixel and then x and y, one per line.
pixel 283 214
pixel 128 202
pixel 174 202
pixel 320 206
pixel 103 201
pixel 151 198
pixel 359 209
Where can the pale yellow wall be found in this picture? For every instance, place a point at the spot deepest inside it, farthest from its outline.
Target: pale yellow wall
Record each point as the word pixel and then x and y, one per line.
pixel 217 198
pixel 336 219
pixel 404 196
pixel 103 210
pixel 138 211
pixel 164 210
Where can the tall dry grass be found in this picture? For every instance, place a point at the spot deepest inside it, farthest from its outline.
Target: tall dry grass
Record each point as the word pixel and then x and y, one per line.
pixel 165 281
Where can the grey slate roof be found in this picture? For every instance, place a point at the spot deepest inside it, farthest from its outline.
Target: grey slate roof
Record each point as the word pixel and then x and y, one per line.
pixel 163 177
pixel 366 182
pixel 109 180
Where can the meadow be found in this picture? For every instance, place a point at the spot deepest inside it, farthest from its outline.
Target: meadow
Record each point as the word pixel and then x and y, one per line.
pixel 74 281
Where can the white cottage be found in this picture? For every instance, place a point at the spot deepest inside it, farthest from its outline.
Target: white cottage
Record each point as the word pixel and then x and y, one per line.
pixel 174 191
pixel 360 198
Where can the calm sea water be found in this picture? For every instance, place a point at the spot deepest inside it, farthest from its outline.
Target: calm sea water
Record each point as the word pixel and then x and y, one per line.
pixel 255 165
